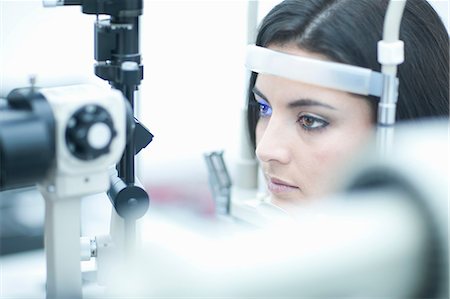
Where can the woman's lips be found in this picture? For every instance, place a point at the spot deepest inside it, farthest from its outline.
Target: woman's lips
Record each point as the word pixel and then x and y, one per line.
pixel 279 186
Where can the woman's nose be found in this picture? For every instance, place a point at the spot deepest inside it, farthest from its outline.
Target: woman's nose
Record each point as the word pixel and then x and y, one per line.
pixel 273 144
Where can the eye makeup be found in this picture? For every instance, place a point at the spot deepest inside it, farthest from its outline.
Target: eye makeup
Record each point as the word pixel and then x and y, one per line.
pixel 310 122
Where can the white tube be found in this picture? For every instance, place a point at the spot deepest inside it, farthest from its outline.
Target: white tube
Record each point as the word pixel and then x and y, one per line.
pixel 246 165
pixel 390 54
pixel 252 20
pixel 391 29
pixel 246 172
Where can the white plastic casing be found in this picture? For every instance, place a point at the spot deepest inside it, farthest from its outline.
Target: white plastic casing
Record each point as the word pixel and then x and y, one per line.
pixel 391 53
pixel 72 176
pixel 328 74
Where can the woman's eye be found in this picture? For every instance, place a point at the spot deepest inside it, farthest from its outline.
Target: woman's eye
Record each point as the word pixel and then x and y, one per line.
pixel 264 110
pixel 309 122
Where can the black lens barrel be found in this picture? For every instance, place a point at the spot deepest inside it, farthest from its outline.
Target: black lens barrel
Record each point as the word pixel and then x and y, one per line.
pixel 27 145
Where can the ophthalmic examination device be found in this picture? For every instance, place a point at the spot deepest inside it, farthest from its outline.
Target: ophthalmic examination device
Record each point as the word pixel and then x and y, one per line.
pixel 69 139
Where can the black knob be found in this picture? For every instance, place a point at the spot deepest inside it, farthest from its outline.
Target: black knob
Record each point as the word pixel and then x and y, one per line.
pixel 89 132
pixel 130 201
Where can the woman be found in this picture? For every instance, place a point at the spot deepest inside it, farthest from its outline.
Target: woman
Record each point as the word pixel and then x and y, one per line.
pixel 303 133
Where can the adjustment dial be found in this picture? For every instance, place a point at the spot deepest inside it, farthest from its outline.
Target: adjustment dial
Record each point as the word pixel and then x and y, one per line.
pixel 89 132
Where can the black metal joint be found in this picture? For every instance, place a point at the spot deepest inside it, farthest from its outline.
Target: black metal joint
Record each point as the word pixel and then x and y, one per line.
pixel 131 202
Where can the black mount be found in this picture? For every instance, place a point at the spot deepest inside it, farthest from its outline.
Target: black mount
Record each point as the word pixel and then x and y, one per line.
pixel 119 62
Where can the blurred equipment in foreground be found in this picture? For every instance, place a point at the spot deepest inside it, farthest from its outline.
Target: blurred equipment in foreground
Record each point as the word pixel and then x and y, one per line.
pixel 384 235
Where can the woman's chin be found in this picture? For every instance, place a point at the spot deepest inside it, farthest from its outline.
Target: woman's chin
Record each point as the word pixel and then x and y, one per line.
pixel 288 200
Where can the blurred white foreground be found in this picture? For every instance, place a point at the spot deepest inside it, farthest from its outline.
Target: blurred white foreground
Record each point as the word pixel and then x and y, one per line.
pixel 384 235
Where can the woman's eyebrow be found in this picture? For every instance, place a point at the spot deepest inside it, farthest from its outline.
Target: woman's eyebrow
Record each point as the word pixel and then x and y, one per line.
pixel 296 103
pixel 309 102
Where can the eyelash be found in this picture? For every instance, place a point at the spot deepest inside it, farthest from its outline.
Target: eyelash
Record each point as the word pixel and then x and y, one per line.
pixel 315 120
pixel 266 111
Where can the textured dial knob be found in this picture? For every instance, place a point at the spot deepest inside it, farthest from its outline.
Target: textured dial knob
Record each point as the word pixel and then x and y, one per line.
pixel 89 132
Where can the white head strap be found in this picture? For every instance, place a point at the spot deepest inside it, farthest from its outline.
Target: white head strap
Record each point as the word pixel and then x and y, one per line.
pixel 328 74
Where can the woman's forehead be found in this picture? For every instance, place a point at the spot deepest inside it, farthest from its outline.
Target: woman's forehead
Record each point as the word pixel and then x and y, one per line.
pixel 293 49
pixel 278 90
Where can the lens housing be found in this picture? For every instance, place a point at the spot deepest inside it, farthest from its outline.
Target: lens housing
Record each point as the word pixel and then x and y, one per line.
pixel 27 142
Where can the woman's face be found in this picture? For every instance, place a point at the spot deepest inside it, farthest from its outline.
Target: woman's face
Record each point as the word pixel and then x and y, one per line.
pixel 305 133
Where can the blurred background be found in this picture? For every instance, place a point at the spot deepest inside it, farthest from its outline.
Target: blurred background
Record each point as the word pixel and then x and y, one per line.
pixel 190 99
